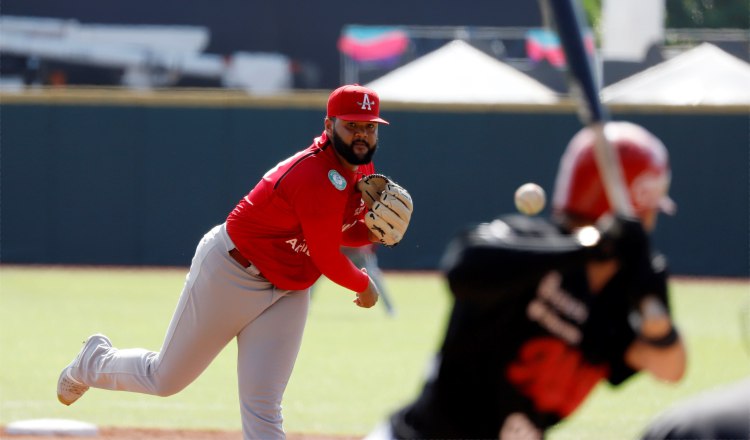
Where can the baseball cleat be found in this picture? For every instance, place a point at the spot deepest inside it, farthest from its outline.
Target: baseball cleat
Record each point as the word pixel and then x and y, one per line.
pixel 68 388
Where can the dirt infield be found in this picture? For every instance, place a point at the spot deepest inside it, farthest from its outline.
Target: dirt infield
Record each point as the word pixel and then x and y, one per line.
pixel 165 434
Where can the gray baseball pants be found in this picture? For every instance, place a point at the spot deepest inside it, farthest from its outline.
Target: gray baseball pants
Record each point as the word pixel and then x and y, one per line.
pixel 221 300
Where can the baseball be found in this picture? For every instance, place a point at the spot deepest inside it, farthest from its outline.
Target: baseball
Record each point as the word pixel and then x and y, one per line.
pixel 530 198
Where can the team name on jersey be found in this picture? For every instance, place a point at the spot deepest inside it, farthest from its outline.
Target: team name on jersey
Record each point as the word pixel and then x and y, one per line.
pixel 553 308
pixel 347 226
pixel 360 208
pixel 298 246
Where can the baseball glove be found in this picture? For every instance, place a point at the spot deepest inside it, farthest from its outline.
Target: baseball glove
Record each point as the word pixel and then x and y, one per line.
pixel 390 208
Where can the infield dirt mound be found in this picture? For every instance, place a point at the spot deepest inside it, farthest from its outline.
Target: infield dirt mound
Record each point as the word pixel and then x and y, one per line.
pixel 166 434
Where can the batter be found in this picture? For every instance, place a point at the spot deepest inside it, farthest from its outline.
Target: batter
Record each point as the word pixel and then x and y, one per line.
pixel 545 309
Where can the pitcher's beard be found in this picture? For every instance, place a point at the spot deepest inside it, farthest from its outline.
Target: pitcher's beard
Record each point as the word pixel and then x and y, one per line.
pixel 347 151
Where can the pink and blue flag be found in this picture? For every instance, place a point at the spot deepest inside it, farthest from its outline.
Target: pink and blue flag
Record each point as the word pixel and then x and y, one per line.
pixel 373 44
pixel 544 44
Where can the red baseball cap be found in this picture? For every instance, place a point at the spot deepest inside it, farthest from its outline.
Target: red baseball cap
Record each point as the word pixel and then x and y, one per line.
pixel 354 102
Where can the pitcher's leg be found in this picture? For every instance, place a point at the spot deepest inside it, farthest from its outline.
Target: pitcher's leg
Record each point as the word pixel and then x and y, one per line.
pixel 218 300
pixel 192 342
pixel 267 351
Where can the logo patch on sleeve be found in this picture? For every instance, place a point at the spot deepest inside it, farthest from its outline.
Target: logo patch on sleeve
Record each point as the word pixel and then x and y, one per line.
pixel 337 180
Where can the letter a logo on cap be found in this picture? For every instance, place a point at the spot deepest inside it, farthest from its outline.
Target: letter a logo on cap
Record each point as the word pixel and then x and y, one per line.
pixel 366 103
pixel 353 102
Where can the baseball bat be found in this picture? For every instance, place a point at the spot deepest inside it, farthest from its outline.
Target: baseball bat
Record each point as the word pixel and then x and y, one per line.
pixel 583 84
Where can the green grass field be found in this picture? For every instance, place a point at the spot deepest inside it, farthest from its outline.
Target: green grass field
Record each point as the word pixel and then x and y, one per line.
pixel 355 365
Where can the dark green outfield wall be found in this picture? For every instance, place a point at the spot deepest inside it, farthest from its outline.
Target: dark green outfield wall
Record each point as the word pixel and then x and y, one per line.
pixel 137 184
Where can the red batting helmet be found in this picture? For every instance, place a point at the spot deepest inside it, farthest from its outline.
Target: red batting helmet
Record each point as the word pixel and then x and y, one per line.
pixel 579 190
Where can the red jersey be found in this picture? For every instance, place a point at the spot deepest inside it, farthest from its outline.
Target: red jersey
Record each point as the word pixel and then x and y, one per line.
pixel 292 225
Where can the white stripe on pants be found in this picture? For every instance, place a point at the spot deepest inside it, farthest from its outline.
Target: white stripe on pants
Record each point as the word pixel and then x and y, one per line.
pixel 220 300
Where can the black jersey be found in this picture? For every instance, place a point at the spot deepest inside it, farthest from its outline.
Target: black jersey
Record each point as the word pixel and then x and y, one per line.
pixel 525 335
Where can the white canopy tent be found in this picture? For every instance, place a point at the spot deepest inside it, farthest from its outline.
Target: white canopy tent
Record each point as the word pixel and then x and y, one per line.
pixel 460 73
pixel 704 75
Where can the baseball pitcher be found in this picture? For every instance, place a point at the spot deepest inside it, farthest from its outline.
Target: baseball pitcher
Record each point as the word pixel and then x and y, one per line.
pixel 250 277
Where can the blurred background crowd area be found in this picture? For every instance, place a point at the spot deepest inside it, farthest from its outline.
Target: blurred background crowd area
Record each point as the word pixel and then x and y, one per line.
pixel 287 45
pixel 139 96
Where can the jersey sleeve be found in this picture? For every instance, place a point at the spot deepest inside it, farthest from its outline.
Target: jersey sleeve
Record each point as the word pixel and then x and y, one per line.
pixel 655 284
pixel 508 255
pixel 356 236
pixel 320 209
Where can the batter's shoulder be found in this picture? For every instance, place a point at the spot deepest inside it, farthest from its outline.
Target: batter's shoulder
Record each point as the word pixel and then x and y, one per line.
pixel 508 229
pixel 524 225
